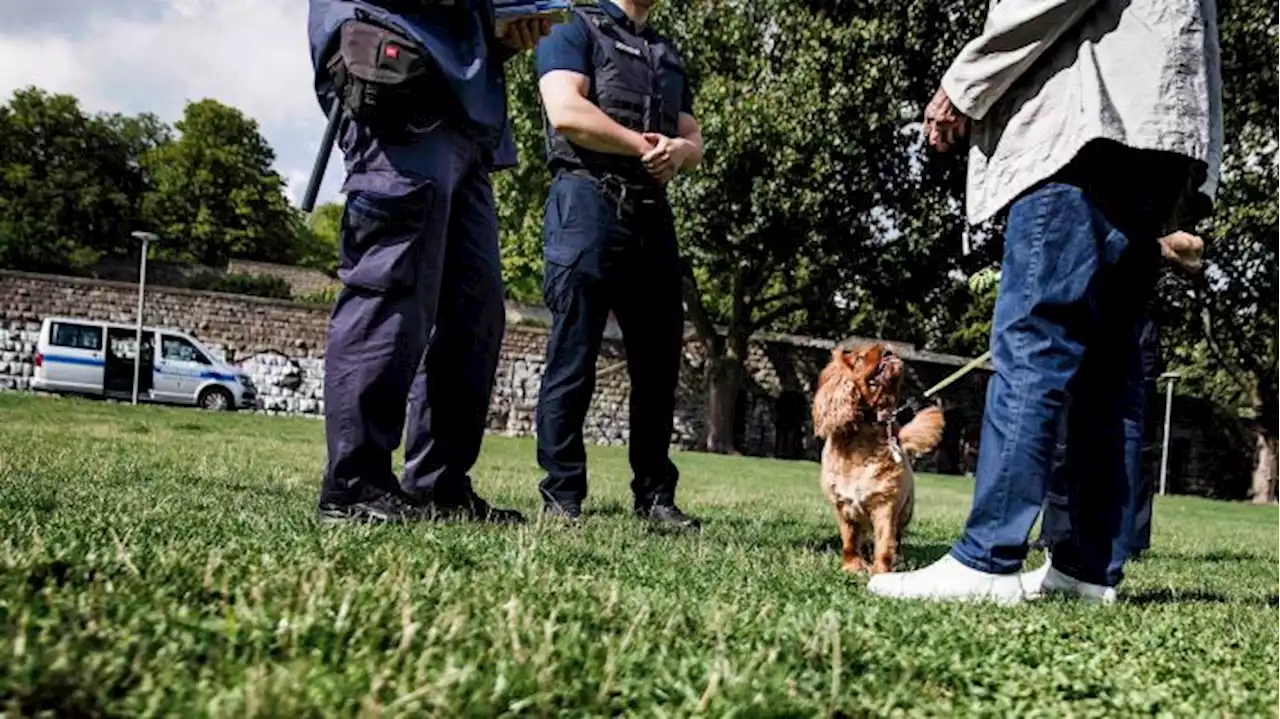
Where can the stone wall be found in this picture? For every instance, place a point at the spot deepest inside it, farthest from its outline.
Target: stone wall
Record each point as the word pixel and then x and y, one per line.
pixel 302 281
pixel 280 344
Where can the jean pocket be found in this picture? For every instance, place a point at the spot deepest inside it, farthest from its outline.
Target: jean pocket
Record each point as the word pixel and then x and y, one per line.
pixel 382 238
pixel 560 276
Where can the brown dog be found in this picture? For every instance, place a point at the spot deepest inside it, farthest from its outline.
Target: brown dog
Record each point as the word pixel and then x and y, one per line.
pixel 866 462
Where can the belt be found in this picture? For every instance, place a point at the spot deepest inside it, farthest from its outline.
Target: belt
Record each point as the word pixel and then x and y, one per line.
pixel 629 196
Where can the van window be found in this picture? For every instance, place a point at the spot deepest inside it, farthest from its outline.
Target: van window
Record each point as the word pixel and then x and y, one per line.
pixel 177 349
pixel 81 337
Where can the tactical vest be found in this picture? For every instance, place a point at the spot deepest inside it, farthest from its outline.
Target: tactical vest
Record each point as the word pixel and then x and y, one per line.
pixel 636 82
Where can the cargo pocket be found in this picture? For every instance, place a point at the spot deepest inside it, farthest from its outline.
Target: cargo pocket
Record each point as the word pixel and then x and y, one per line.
pixel 382 238
pixel 559 276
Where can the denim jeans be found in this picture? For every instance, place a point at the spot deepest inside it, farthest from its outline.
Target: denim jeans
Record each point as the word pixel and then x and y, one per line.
pixel 1080 263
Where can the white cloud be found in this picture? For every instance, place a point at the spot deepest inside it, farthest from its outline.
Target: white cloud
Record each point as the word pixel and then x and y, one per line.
pixel 251 54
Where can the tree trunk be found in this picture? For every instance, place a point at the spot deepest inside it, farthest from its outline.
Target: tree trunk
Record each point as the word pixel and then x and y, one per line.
pixel 724 380
pixel 1265 472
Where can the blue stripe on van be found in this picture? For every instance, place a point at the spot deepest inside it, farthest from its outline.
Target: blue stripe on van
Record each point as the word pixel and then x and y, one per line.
pixel 68 359
pixel 91 362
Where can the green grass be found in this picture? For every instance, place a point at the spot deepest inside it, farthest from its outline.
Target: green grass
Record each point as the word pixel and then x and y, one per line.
pixel 160 561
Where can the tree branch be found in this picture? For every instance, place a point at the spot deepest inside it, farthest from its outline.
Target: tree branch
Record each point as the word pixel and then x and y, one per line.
pixel 802 290
pixel 697 312
pixel 778 313
pixel 1234 370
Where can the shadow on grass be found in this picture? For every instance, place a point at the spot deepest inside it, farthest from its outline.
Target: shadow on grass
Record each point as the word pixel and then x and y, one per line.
pixel 1170 596
pixel 914 554
pixel 1220 556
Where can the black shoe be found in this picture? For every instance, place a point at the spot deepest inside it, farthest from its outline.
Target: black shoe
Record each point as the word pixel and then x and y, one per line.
pixel 385 509
pixel 670 517
pixel 473 509
pixel 567 513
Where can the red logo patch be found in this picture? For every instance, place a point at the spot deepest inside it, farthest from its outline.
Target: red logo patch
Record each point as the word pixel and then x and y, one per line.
pixel 392 51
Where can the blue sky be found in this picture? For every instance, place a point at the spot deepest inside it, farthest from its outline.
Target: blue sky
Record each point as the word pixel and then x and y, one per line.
pixel 135 56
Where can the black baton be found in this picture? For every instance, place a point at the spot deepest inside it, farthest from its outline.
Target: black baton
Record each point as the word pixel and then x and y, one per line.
pixel 322 157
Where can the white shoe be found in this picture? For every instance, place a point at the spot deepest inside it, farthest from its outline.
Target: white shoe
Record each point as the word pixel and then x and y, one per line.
pixel 948 579
pixel 1046 581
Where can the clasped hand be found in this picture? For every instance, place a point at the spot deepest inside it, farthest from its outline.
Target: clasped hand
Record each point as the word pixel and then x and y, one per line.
pixel 665 157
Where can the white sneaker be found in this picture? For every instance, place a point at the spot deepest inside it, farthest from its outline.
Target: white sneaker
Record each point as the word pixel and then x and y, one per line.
pixel 1046 581
pixel 948 579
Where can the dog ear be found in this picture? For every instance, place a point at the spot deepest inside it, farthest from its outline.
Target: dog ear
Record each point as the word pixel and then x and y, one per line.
pixel 832 402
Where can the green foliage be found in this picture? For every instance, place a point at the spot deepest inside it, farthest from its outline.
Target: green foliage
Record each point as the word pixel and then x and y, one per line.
pixel 74 186
pixel 327 296
pixel 68 181
pixel 318 239
pixel 214 195
pixel 185 576
pixel 521 192
pixel 1222 326
pixel 241 284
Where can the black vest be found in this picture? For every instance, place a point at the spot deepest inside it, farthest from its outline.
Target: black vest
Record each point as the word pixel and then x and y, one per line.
pixel 636 81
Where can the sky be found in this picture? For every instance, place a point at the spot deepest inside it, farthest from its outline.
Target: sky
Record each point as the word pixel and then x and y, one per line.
pixel 134 56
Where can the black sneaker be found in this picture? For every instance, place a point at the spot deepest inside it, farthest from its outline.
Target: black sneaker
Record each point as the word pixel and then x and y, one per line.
pixel 385 509
pixel 670 517
pixel 473 509
pixel 567 513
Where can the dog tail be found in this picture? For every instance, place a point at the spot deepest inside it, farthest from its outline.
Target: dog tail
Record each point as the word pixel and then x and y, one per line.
pixel 923 432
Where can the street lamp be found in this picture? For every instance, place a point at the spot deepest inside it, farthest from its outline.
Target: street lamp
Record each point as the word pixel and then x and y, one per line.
pixel 1168 415
pixel 146 238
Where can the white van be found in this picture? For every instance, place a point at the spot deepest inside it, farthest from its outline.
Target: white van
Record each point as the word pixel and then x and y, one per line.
pixel 96 358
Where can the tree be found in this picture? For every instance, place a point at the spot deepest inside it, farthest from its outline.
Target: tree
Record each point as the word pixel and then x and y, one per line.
pixel 815 209
pixel 520 192
pixel 1223 331
pixel 318 239
pixel 69 183
pixel 214 194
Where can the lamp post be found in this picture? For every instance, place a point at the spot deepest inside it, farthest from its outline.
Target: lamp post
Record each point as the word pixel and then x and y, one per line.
pixel 1170 378
pixel 146 238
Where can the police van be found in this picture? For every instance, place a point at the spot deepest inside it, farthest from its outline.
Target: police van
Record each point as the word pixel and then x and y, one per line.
pixel 89 357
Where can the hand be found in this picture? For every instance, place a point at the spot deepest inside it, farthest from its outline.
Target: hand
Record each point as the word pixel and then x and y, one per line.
pixel 523 33
pixel 944 125
pixel 667 156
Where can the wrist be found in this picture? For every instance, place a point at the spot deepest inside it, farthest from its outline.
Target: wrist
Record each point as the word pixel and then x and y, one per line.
pixel 639 145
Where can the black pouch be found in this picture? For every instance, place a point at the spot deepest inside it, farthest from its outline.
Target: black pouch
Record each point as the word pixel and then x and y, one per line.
pixel 381 77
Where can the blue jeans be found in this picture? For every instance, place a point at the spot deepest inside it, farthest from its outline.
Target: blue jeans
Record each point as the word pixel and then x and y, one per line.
pixel 1080 263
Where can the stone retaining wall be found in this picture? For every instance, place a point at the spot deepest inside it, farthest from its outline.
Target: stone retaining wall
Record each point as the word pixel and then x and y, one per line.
pixel 280 344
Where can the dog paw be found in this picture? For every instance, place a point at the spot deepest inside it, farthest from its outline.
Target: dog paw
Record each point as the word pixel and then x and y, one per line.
pixel 854 566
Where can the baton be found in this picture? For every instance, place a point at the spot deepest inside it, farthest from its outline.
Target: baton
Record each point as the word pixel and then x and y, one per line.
pixel 322 157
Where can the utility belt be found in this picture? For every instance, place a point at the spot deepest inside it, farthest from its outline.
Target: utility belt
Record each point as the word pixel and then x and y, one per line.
pixel 388 83
pixel 629 196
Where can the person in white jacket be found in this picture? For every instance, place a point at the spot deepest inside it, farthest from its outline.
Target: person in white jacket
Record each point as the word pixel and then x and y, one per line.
pixel 1097 126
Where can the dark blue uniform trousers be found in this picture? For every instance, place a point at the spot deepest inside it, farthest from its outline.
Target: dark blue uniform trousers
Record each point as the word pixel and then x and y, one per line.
pixel 600 258
pixel 419 319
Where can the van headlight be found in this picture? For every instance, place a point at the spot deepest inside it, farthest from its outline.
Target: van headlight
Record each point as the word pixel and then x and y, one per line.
pixel 245 381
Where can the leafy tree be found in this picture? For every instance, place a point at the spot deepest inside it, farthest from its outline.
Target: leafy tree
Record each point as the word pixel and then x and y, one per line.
pixel 1222 331
pixel 521 192
pixel 317 240
pixel 815 209
pixel 214 194
pixel 69 182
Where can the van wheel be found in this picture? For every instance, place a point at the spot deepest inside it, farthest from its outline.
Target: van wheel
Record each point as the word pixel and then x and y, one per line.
pixel 215 399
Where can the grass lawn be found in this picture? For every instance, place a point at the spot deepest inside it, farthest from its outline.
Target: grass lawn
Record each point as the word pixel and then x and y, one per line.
pixel 159 561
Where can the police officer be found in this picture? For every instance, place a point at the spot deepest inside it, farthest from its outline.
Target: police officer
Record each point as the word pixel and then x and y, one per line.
pixel 619 120
pixel 420 315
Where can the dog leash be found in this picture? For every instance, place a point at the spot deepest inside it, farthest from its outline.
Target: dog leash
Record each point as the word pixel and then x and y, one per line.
pixel 914 405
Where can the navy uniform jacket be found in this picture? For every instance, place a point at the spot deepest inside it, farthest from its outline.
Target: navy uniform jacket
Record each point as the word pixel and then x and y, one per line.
pixel 469 58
